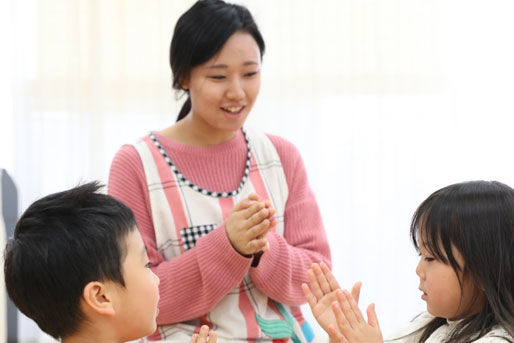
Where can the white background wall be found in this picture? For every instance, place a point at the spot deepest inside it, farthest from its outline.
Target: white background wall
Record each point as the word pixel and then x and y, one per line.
pixel 386 100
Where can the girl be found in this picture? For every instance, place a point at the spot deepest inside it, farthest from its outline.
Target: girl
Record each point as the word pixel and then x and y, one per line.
pixel 464 234
pixel 226 213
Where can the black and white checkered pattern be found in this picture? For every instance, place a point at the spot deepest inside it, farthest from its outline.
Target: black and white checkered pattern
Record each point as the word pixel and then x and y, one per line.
pixel 191 234
pixel 183 180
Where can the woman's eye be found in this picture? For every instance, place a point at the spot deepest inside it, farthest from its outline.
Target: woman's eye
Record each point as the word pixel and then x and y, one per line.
pixel 429 259
pixel 217 77
pixel 253 73
pixel 149 265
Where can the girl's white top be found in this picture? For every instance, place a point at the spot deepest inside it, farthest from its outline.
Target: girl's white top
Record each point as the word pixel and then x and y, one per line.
pixel 412 333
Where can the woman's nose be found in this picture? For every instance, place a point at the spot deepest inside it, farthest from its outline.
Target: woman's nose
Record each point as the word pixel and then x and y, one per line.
pixel 235 90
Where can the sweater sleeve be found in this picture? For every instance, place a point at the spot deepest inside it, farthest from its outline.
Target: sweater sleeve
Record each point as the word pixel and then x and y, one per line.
pixel 283 268
pixel 193 283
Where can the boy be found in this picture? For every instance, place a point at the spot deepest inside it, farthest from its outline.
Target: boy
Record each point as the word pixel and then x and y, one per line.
pixel 78 267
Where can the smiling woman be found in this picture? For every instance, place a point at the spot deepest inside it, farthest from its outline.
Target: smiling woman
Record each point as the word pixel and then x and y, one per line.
pixel 223 91
pixel 222 209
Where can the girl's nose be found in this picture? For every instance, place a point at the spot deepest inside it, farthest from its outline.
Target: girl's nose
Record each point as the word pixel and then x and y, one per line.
pixel 419 269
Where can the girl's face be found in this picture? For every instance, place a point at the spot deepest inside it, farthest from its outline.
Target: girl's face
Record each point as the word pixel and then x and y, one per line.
pixel 223 89
pixel 441 289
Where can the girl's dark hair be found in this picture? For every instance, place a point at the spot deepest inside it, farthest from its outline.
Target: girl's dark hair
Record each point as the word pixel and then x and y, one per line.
pixel 201 32
pixel 477 218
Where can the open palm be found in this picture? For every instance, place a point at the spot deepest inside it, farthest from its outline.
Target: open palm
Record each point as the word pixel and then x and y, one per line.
pixel 322 293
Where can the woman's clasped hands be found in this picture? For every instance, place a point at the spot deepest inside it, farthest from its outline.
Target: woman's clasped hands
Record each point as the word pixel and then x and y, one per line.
pixel 248 224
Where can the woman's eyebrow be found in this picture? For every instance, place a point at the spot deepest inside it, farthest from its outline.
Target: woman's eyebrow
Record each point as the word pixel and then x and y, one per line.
pixel 222 66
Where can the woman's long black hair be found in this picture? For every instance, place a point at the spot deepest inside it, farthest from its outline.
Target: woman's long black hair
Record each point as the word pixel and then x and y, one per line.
pixel 201 32
pixel 477 218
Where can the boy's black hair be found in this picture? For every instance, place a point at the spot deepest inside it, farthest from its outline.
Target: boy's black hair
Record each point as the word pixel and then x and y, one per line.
pixel 61 243
pixel 201 32
pixel 477 218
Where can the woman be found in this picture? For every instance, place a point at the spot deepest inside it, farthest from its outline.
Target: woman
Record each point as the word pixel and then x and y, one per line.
pixel 226 213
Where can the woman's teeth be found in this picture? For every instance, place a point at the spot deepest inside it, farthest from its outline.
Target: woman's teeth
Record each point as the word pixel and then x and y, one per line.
pixel 233 109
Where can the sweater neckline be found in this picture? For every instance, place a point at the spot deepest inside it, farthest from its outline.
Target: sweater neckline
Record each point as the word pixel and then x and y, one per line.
pixel 210 149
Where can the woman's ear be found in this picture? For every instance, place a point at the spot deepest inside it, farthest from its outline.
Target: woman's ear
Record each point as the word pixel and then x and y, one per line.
pixel 97 298
pixel 184 83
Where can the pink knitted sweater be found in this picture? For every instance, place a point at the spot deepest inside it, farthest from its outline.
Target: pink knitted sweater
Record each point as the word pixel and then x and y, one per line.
pixel 194 282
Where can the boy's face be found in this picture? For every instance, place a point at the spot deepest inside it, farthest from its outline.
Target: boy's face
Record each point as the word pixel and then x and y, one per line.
pixel 136 303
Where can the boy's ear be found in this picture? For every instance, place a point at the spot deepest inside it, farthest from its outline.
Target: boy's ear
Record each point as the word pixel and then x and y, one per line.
pixel 98 299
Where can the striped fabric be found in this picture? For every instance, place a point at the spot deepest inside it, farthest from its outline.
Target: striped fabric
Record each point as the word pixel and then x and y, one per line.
pixel 182 213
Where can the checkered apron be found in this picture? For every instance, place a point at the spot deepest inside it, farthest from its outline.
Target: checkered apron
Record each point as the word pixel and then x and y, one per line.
pixel 183 212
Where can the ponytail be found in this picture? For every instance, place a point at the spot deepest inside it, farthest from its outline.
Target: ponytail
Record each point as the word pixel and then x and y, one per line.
pixel 186 108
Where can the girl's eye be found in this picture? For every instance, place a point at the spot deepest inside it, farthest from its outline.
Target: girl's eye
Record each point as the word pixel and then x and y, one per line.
pixel 149 265
pixel 429 259
pixel 217 77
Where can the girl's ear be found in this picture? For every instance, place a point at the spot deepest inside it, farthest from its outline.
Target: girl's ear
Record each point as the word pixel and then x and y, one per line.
pixel 97 298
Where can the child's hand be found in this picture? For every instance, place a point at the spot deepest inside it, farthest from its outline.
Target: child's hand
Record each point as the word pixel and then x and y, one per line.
pixel 204 336
pixel 351 326
pixel 322 293
pixel 248 223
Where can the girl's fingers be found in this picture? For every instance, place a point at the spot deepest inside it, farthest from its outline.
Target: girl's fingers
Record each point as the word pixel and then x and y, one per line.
pixel 316 290
pixel 329 276
pixel 335 335
pixel 342 322
pixel 356 291
pixel 322 280
pixel 311 299
pixel 372 316
pixel 346 308
pixel 357 312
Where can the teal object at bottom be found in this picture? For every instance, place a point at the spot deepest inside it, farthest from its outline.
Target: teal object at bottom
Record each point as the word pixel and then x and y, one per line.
pixel 308 333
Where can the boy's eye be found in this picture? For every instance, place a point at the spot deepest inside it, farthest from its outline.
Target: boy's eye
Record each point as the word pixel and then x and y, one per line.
pixel 149 265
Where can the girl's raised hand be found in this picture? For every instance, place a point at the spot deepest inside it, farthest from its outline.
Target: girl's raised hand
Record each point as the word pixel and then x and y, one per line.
pixel 248 223
pixel 204 336
pixel 351 326
pixel 322 293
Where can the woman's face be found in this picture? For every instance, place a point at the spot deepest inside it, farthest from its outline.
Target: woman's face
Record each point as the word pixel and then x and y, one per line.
pixel 223 89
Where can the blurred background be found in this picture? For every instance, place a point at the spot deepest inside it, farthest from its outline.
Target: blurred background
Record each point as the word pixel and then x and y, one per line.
pixel 387 101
